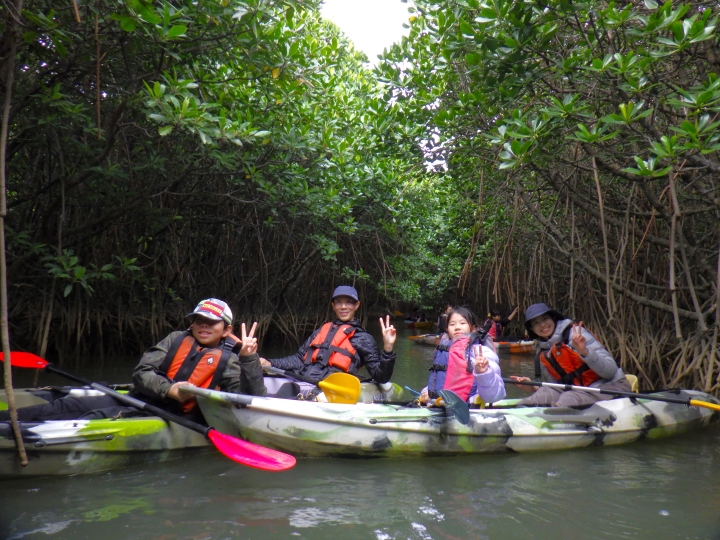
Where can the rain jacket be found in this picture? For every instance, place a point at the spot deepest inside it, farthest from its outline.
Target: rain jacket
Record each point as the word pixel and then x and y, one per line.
pixel 379 364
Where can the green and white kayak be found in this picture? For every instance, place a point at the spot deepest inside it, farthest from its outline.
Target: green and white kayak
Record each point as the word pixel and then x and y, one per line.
pixel 68 447
pixel 306 428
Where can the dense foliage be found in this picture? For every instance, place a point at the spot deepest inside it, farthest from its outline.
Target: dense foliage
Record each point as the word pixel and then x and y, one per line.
pixel 593 126
pixel 505 152
pixel 163 152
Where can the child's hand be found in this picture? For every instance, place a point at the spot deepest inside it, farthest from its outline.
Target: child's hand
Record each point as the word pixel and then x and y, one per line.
pixel 249 342
pixel 481 363
pixel 579 342
pixel 389 334
pixel 424 397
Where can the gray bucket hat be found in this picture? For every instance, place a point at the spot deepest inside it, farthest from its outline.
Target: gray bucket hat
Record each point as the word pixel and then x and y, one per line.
pixel 536 310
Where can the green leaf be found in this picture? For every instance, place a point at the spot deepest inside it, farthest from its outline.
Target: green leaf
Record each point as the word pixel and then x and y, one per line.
pixel 177 31
pixel 128 24
pixel 165 130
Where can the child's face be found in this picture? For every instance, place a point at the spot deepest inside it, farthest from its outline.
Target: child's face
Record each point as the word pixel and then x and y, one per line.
pixel 496 318
pixel 207 332
pixel 543 326
pixel 458 325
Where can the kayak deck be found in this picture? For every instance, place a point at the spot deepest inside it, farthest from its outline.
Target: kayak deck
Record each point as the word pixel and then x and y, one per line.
pixel 66 447
pixel 325 429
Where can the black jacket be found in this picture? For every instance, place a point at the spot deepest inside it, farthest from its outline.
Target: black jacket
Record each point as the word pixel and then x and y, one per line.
pixel 379 364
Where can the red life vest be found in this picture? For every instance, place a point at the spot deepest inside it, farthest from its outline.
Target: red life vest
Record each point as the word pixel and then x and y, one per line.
pixel 494 329
pixel 203 367
pixel 566 365
pixel 332 346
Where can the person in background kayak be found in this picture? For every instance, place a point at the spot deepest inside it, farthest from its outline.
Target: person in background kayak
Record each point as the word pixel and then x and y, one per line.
pixel 206 354
pixel 465 362
pixel 569 354
pixel 496 324
pixel 443 319
pixel 342 345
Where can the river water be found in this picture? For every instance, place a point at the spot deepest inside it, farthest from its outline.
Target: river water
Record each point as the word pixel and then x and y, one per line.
pixel 663 489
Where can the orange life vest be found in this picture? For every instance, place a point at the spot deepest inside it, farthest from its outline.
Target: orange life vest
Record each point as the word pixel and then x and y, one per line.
pixel 566 365
pixel 332 346
pixel 203 367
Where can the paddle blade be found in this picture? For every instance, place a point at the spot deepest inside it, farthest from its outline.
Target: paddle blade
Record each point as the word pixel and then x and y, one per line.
pixel 24 360
pixel 341 388
pixel 454 403
pixel 250 454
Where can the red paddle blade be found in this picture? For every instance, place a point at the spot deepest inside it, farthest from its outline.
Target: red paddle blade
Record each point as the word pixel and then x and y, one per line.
pixel 25 360
pixel 250 454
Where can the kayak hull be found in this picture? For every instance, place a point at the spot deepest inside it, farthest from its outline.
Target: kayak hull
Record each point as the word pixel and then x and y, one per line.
pixel 68 447
pixel 432 340
pixel 416 324
pixel 518 347
pixel 377 430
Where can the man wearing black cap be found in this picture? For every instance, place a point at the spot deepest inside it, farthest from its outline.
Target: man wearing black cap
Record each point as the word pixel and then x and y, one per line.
pixel 342 345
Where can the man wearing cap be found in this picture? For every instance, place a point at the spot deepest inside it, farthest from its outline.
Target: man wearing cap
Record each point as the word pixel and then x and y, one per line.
pixel 203 355
pixel 569 354
pixel 206 354
pixel 342 345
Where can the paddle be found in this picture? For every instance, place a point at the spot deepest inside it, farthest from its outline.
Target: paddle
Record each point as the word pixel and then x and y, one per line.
pixel 688 402
pixel 338 387
pixel 240 451
pixel 452 402
pixel 455 403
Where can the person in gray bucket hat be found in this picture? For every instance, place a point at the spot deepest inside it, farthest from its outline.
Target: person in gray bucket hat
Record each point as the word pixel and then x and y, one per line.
pixel 570 354
pixel 341 345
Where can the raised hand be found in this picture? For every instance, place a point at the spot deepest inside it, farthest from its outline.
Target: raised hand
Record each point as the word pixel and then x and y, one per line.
pixel 249 341
pixel 481 363
pixel 389 334
pixel 579 342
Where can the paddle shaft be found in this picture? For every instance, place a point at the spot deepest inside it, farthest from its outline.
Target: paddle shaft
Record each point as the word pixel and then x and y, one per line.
pixel 557 386
pixel 129 400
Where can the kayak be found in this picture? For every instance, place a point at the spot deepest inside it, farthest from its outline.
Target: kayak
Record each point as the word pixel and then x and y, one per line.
pixel 426 339
pixel 68 447
pixel 416 324
pixel 515 347
pixel 306 428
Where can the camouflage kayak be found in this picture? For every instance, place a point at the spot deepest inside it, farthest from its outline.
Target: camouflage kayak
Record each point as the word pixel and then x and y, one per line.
pixel 324 429
pixel 65 447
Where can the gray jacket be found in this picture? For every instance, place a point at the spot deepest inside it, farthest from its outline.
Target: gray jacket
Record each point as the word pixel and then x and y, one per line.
pixel 598 358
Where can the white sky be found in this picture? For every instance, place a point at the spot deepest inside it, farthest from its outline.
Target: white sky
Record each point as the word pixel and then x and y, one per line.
pixel 372 25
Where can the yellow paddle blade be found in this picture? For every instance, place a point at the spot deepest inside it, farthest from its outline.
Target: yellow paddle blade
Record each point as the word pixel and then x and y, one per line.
pixel 341 388
pixel 698 403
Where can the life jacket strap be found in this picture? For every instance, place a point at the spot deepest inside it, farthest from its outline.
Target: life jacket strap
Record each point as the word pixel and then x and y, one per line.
pixel 438 367
pixel 172 351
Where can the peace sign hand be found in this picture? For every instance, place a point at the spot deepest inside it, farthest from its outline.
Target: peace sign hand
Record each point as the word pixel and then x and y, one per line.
pixel 249 341
pixel 389 334
pixel 579 342
pixel 481 363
